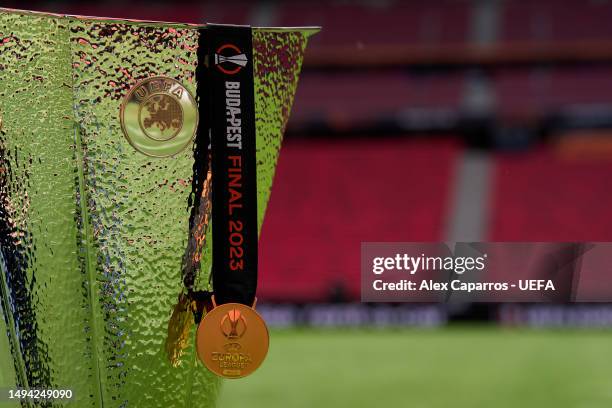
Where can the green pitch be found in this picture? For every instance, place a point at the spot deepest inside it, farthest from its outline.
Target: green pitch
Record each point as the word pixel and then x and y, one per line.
pixel 457 367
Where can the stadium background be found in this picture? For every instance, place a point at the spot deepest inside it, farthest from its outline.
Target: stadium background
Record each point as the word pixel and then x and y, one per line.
pixel 446 120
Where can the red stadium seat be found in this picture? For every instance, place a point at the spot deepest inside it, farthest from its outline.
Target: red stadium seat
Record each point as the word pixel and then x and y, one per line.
pixel 329 196
pixel 551 20
pixel 419 23
pixel 540 197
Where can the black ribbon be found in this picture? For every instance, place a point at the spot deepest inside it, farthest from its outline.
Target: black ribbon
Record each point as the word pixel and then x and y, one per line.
pixel 231 116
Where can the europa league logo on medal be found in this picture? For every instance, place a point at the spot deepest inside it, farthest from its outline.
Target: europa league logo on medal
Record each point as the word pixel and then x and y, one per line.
pixel 233 324
pixel 159 117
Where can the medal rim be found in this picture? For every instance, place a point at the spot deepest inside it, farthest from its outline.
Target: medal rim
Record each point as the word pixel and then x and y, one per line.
pixel 204 322
pixel 127 99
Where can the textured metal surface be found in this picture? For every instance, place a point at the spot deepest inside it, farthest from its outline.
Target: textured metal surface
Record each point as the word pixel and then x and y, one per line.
pixel 42 284
pixel 278 58
pixel 139 215
pixel 93 233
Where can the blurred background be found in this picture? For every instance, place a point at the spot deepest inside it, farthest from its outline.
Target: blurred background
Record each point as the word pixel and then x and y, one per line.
pixel 439 120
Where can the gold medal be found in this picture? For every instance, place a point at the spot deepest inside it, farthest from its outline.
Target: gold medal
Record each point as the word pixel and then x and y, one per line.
pixel 232 340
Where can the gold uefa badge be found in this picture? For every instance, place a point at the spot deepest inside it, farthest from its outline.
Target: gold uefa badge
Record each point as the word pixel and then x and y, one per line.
pixel 232 340
pixel 159 117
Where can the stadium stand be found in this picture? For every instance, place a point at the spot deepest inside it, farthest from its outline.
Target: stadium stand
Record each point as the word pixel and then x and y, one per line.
pixel 363 98
pixel 329 196
pixel 363 25
pixel 549 90
pixel 539 196
pixel 556 21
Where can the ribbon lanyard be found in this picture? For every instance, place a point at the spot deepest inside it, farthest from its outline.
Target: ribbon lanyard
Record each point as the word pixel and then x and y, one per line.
pixel 232 339
pixel 234 167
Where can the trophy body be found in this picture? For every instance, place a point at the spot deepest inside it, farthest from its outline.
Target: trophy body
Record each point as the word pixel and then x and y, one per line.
pixel 94 231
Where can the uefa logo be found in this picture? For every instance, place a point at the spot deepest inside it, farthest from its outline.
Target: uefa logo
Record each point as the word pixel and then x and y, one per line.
pixel 159 117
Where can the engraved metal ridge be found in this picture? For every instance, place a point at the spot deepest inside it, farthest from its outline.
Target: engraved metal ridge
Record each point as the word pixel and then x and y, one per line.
pixel 306 30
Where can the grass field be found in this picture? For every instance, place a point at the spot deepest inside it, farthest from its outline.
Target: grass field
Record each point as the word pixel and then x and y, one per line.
pixel 446 368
